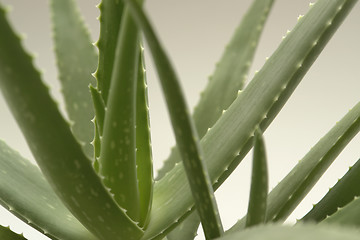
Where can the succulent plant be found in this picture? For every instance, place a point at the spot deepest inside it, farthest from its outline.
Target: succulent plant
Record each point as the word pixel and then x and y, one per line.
pixel 95 176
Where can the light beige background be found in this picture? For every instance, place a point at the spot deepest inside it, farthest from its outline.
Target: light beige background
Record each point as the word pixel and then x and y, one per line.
pixel 194 34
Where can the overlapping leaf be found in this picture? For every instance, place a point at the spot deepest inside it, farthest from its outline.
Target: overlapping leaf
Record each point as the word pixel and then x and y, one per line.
pixel 185 133
pixel 19 178
pixel 117 162
pixel 55 149
pixel 172 198
pixel 76 60
pixel 293 188
pixel 344 191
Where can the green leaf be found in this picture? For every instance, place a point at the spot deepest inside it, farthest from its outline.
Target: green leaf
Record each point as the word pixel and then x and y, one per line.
pixel 143 144
pixel 229 76
pixel 259 184
pixel 7 234
pixel 341 194
pixel 111 12
pixel 41 208
pixel 232 132
pixel 76 60
pixel 117 162
pixel 294 187
pixel 55 149
pixel 187 229
pixel 99 107
pixel 185 133
pixel 346 216
pixel 299 232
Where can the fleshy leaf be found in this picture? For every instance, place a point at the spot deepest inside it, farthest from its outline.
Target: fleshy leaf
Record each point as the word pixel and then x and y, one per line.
pixel 346 216
pixel 293 188
pixel 143 144
pixel 111 12
pixel 259 184
pixel 55 149
pixel 263 97
pixel 41 208
pixel 299 232
pixel 187 229
pixel 341 194
pixel 99 107
pixel 7 234
pixel 117 162
pixel 229 76
pixel 76 61
pixel 184 130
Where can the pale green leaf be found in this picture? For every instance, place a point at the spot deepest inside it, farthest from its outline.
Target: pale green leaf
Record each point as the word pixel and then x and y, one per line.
pixel 184 130
pixel 76 60
pixel 117 162
pixel 41 208
pixel 338 196
pixel 111 12
pixel 293 188
pixel 346 216
pixel 143 144
pixel 259 184
pixel 232 132
pixel 300 232
pixel 229 76
pixel 55 149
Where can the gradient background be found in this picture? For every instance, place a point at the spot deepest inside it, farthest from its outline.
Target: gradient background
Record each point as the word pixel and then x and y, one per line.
pixel 194 34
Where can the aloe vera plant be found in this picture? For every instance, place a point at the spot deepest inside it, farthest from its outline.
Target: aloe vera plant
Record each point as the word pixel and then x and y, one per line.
pixel 95 177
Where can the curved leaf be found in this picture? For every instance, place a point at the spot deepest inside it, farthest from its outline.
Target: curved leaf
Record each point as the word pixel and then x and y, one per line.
pixel 229 76
pixel 232 132
pixel 55 149
pixel 41 208
pixel 185 133
pixel 283 199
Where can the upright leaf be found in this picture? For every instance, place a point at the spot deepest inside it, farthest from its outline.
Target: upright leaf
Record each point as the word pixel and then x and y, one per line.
pixel 229 76
pixel 294 187
pixel 55 149
pixel 19 178
pixel 143 144
pixel 185 133
pixel 76 61
pixel 117 162
pixel 111 12
pixel 259 184
pixel 263 97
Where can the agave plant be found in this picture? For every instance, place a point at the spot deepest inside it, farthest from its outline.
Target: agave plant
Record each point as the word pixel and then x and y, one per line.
pixel 95 177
